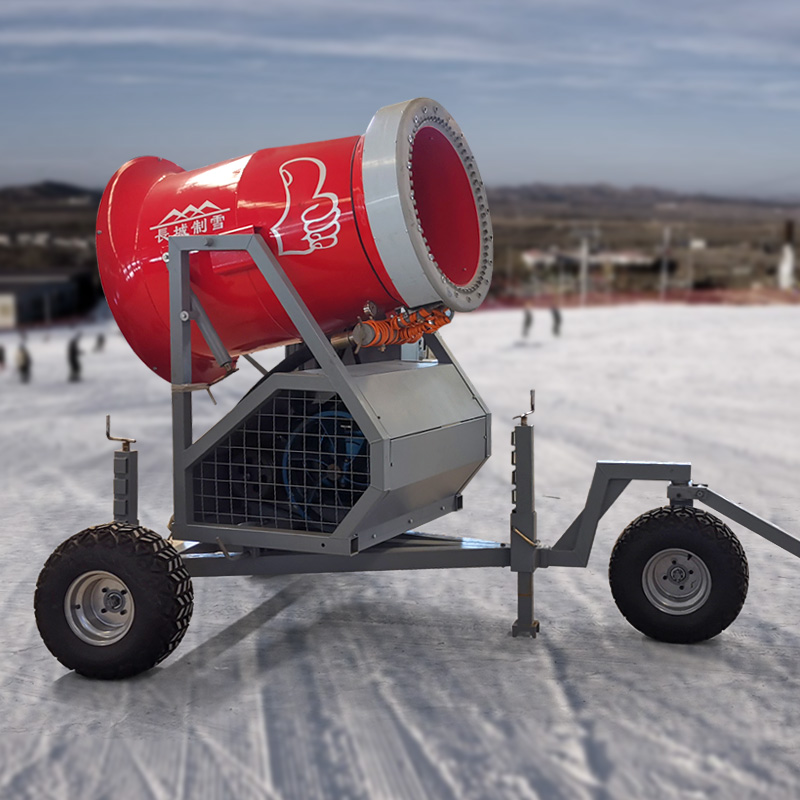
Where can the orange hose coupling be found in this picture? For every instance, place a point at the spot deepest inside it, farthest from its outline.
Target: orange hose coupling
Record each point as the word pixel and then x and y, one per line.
pixel 404 327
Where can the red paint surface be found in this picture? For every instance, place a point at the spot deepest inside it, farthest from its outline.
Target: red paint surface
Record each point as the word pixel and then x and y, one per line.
pixel 445 205
pixel 307 201
pixel 275 192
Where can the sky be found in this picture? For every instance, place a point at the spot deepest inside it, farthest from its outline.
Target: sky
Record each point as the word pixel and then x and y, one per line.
pixel 686 95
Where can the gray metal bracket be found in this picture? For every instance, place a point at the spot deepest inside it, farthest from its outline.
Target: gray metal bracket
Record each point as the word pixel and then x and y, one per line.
pixel 772 533
pixel 610 480
pixel 185 307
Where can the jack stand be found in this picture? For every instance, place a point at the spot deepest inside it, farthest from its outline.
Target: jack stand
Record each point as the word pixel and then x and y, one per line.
pixel 126 479
pixel 525 624
pixel 524 545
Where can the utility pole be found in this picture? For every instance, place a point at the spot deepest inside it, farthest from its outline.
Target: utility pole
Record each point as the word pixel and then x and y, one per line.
pixel 664 250
pixel 587 237
pixel 584 275
pixel 786 266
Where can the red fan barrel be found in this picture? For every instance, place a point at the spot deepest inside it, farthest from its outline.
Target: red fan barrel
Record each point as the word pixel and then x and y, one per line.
pixel 396 217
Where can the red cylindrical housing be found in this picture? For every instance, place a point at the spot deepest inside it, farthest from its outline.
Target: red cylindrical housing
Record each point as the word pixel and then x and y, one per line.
pixel 397 217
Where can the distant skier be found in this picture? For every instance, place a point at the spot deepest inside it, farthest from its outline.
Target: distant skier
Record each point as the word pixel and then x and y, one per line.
pixel 24 363
pixel 100 343
pixel 74 357
pixel 556 312
pixel 2 357
pixel 527 322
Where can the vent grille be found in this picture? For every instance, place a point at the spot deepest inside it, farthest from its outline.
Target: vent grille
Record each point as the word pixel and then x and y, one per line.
pixel 299 462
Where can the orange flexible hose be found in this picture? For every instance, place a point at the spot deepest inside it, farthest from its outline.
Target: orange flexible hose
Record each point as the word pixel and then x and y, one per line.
pixel 406 328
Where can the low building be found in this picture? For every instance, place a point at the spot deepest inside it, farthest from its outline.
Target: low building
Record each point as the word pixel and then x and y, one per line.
pixel 41 298
pixel 607 270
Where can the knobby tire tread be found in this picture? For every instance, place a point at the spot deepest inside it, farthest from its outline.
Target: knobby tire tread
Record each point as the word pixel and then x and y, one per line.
pixel 729 557
pixel 161 573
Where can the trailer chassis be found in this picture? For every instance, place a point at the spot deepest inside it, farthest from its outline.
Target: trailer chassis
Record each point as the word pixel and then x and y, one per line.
pixel 677 573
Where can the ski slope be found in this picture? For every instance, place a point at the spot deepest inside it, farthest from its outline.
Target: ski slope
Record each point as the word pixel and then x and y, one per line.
pixel 408 685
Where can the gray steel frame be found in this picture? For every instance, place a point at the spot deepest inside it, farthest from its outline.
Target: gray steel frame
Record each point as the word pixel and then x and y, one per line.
pixel 686 493
pixel 524 553
pixel 364 526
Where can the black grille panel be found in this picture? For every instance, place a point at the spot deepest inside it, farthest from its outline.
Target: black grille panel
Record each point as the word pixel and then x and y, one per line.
pixel 299 462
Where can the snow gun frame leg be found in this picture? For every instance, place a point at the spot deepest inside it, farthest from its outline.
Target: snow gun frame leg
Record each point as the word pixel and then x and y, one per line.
pixel 126 478
pixel 525 547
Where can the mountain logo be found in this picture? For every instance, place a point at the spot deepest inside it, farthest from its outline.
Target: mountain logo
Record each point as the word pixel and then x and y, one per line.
pixel 190 214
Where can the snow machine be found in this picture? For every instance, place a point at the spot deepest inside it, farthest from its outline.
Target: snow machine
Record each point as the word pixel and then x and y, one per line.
pixel 351 254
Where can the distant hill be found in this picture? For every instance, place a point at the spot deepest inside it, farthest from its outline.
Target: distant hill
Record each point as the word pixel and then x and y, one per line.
pixel 68 210
pixel 48 193
pixel 601 201
pixel 598 200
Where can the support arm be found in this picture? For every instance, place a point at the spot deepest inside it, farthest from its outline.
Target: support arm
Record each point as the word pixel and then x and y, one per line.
pixel 771 532
pixel 610 480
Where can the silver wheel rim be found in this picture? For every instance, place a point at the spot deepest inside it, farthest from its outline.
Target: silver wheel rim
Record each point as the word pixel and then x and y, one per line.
pixel 99 608
pixel 676 581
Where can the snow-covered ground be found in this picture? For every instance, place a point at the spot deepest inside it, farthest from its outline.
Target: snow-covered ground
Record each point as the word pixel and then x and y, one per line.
pixel 409 685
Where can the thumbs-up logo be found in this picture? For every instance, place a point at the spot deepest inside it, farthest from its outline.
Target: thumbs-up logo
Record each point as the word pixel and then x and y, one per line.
pixel 317 226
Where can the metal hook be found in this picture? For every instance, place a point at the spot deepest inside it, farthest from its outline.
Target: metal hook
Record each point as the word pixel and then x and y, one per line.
pixel 126 443
pixel 524 417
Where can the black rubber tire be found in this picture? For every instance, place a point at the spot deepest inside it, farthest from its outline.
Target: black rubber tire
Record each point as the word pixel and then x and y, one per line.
pixel 699 533
pixel 158 582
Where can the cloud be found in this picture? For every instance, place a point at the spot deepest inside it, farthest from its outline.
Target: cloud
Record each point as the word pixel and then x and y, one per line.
pixel 425 47
pixel 730 53
pixel 412 10
pixel 733 49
